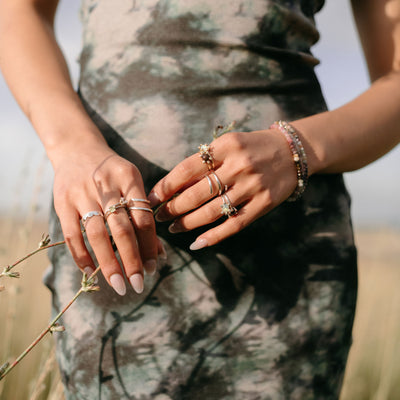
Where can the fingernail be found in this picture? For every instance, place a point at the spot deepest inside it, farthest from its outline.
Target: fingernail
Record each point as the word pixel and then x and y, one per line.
pixel 163 255
pixel 175 227
pixel 118 284
pixel 89 271
pixel 137 283
pixel 160 217
pixel 198 244
pixel 150 267
pixel 154 199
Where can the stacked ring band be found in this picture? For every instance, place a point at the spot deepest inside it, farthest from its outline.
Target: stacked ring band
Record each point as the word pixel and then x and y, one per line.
pixel 210 185
pixel 140 200
pixel 91 214
pixel 227 207
pixel 115 207
pixel 140 208
pixel 221 189
pixel 206 156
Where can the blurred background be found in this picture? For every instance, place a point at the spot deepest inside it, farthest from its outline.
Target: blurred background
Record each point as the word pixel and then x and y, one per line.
pixel 26 179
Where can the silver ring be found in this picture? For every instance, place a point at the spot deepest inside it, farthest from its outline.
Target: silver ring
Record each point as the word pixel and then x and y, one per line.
pixel 91 214
pixel 210 184
pixel 140 208
pixel 115 207
pixel 220 188
pixel 140 200
pixel 227 207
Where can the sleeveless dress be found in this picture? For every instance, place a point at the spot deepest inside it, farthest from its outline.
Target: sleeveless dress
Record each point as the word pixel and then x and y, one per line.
pixel 266 314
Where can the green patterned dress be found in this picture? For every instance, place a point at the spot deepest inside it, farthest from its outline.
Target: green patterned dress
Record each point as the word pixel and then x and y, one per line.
pixel 268 313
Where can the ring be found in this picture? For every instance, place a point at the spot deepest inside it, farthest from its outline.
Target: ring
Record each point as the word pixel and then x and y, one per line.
pixel 227 207
pixel 210 184
pixel 205 155
pixel 220 188
pixel 112 209
pixel 91 214
pixel 141 200
pixel 141 208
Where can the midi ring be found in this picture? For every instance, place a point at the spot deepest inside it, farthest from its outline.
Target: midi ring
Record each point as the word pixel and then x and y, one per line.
pixel 115 207
pixel 140 208
pixel 206 156
pixel 221 189
pixel 140 200
pixel 227 207
pixel 91 214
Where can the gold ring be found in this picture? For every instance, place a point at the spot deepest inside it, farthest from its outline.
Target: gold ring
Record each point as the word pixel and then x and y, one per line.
pixel 206 156
pixel 115 207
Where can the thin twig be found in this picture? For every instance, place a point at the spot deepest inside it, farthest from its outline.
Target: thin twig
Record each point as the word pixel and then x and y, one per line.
pixel 87 285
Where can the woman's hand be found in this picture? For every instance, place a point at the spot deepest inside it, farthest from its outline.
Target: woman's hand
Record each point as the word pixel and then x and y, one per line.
pixel 94 179
pixel 254 169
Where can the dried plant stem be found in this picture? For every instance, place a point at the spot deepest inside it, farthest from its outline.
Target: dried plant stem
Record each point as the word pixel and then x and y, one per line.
pixel 86 286
pixel 40 248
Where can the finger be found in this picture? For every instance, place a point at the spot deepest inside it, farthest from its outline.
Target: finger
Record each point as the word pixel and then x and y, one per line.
pixel 124 237
pixel 100 242
pixel 245 216
pixel 71 227
pixel 187 171
pixel 190 199
pixel 208 213
pixel 143 222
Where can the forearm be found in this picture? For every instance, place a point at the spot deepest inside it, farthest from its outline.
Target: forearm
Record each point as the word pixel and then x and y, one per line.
pixel 37 74
pixel 357 133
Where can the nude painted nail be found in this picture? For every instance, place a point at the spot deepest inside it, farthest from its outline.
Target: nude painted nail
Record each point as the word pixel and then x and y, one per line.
pixel 163 255
pixel 89 271
pixel 175 227
pixel 118 284
pixel 137 283
pixel 154 199
pixel 150 267
pixel 198 244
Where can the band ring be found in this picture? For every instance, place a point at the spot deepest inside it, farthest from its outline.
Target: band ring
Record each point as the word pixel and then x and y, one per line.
pixel 227 207
pixel 210 185
pixel 140 208
pixel 91 214
pixel 115 207
pixel 140 200
pixel 206 156
pixel 221 189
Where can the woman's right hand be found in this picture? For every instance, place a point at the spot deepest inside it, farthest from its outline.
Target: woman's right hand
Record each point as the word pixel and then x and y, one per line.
pixel 93 178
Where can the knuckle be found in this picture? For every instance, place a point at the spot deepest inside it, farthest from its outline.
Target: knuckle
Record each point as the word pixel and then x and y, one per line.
pixel 211 214
pixel 144 223
pixel 121 231
pixel 95 234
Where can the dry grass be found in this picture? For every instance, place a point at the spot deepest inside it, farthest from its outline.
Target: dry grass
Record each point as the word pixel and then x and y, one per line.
pixel 24 312
pixel 373 369
pixel 374 365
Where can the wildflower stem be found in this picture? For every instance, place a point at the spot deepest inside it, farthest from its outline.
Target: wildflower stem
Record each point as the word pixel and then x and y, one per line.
pixel 86 286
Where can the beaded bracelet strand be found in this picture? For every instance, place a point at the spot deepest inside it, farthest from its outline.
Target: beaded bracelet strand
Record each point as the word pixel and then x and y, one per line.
pixel 298 154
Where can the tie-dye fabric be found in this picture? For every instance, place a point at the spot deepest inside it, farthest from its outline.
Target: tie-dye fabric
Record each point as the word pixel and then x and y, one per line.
pixel 267 314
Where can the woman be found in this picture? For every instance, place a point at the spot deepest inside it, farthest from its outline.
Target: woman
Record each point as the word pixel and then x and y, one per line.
pixel 232 313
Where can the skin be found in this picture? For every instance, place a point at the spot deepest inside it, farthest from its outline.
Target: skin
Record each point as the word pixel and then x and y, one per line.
pixel 256 167
pixel 84 181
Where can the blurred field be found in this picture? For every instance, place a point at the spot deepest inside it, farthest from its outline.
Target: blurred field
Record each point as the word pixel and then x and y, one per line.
pixel 373 370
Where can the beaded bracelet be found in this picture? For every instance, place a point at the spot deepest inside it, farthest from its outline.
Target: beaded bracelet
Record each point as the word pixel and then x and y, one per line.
pixel 299 157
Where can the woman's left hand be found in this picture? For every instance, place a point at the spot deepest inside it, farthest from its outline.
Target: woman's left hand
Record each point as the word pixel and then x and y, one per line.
pixel 255 172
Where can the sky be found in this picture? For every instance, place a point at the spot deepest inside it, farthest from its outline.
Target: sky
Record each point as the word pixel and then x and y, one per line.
pixel 25 172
